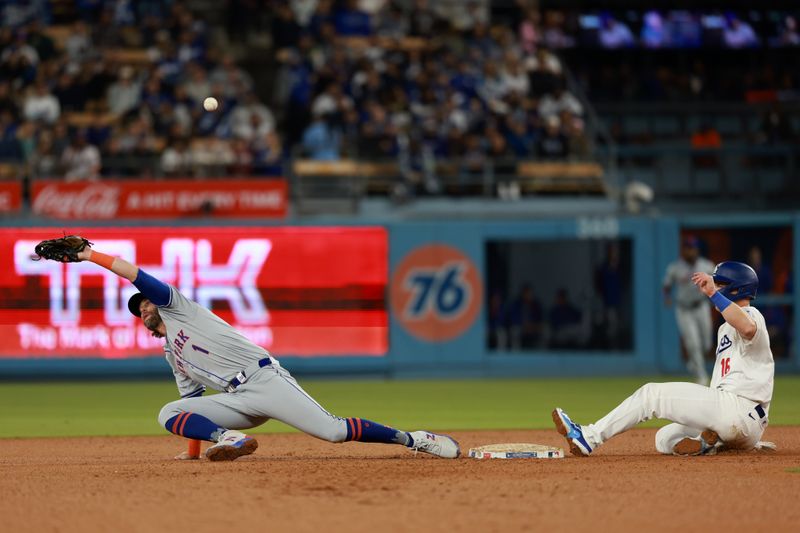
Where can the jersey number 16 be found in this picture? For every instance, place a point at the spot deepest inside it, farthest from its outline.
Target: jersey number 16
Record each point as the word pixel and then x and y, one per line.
pixel 726 365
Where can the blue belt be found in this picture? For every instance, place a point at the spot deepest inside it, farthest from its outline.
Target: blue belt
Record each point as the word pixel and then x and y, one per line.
pixel 242 376
pixel 760 411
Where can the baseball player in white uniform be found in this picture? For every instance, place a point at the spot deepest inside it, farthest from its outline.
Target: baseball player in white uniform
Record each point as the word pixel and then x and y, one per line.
pixel 206 352
pixel 733 412
pixel 692 309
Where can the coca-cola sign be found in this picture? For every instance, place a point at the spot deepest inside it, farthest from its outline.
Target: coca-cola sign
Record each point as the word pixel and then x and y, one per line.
pixel 84 201
pixel 166 199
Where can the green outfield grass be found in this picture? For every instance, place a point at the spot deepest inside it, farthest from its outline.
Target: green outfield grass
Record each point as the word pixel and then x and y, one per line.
pixel 130 408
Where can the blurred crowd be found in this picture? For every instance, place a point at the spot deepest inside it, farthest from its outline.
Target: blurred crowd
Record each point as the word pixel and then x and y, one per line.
pixel 474 85
pixel 650 58
pixel 126 84
pixel 413 81
pixel 683 28
pixel 404 79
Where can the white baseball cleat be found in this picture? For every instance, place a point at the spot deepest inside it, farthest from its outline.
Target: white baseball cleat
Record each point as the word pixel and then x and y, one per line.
pixel 438 445
pixel 231 444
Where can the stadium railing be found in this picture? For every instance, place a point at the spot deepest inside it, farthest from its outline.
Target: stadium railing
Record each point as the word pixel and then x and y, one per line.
pixel 351 179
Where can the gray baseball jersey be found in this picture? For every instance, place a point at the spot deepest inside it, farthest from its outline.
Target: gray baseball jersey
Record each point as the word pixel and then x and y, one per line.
pixel 202 349
pixel 679 273
pixel 205 351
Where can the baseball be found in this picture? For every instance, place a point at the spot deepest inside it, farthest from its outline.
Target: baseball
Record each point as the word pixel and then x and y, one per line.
pixel 210 104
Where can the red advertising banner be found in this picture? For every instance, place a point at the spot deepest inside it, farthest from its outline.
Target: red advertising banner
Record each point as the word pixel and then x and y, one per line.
pixel 230 198
pixel 10 196
pixel 299 291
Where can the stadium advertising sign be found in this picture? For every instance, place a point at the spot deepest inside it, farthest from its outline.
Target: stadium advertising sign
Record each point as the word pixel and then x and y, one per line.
pixel 436 292
pixel 306 291
pixel 230 198
pixel 10 196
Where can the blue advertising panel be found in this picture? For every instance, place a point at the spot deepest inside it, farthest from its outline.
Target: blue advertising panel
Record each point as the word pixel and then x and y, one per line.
pixel 449 254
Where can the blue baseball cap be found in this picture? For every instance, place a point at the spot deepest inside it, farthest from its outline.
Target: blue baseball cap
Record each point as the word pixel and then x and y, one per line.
pixel 691 242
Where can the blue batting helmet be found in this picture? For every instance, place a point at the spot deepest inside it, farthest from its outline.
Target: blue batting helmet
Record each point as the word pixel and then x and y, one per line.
pixel 739 280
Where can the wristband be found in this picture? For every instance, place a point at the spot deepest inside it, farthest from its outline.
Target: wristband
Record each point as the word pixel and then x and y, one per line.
pixel 720 301
pixel 104 260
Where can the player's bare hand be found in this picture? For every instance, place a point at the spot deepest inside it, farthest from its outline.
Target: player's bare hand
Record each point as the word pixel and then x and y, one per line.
pixel 185 456
pixel 704 282
pixel 85 254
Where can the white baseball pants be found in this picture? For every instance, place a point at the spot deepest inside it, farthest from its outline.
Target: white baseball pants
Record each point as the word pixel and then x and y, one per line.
pixel 695 327
pixel 693 408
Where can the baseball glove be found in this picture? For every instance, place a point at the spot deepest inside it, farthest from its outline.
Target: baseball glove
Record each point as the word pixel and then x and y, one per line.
pixel 64 249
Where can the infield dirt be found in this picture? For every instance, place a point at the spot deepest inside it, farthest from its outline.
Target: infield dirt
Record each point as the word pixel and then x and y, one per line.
pixel 296 483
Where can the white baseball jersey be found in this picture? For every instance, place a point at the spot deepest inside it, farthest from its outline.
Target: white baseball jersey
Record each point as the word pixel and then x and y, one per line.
pixel 745 367
pixel 679 273
pixel 202 349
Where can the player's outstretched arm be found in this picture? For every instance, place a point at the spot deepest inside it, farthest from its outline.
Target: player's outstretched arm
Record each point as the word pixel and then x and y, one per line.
pixel 73 248
pixel 154 290
pixel 733 314
pixel 117 265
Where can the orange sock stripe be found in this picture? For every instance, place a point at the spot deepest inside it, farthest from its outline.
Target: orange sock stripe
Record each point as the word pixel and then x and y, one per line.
pixel 104 260
pixel 177 421
pixel 183 424
pixel 352 429
pixel 358 421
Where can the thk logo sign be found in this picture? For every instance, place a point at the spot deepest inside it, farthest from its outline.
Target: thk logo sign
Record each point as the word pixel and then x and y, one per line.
pixel 185 263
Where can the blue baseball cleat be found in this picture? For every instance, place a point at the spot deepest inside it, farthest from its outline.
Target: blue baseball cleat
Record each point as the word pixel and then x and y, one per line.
pixel 578 444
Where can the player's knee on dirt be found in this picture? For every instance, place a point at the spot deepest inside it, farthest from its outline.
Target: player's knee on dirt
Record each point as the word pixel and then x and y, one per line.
pixel 664 441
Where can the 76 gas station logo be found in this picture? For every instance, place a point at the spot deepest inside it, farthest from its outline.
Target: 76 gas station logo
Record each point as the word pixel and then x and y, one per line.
pixel 436 292
pixel 439 292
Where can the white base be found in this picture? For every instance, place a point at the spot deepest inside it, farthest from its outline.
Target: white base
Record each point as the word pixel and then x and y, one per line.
pixel 516 451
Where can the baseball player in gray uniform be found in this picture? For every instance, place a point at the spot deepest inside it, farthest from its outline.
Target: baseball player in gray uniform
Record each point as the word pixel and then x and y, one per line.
pixel 692 310
pixel 206 352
